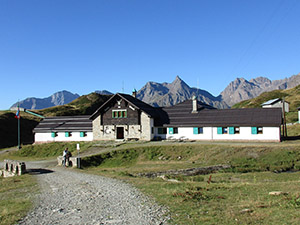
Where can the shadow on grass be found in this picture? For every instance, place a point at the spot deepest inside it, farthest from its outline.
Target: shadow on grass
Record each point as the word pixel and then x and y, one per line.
pixel 291 138
pixel 38 171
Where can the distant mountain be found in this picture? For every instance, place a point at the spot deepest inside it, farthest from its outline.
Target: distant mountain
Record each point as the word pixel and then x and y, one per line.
pixel 104 92
pixel 167 94
pixel 241 89
pixel 58 98
pixel 84 105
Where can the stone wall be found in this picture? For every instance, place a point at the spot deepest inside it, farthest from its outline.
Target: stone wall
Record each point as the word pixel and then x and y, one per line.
pixel 73 161
pixel 12 168
pixel 96 128
pixel 109 132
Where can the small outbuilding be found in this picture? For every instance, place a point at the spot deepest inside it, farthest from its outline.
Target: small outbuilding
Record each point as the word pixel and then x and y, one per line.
pixel 276 103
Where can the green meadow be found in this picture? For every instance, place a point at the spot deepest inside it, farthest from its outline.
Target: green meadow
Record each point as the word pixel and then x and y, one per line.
pixel 237 195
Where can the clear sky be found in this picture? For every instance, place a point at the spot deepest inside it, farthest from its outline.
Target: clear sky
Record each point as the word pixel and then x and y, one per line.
pixel 83 46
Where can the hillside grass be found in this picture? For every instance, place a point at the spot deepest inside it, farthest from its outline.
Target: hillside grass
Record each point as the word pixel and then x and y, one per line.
pixel 45 151
pixel 292 96
pixel 239 195
pixel 9 128
pixel 218 198
pixel 84 105
pixel 15 197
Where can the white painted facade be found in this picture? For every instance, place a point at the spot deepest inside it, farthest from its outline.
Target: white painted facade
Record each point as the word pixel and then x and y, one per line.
pixel 61 136
pixel 211 133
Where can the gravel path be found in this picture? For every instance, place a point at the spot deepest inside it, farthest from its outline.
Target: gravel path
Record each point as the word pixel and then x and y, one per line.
pixel 71 197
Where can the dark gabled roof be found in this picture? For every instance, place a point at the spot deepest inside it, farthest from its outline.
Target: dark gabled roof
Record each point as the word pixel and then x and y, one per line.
pixel 148 109
pixel 181 115
pixel 64 123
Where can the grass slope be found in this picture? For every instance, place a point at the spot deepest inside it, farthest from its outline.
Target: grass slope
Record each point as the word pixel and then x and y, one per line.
pixel 84 105
pixel 9 129
pixel 235 196
pixel 15 194
pixel 291 95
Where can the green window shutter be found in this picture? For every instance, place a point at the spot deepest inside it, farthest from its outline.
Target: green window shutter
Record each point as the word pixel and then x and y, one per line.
pixel 253 130
pixel 67 134
pixel 231 130
pixel 195 130
pixel 220 130
pixel 53 134
pixel 125 114
pixel 81 134
pixel 113 114
pixel 171 130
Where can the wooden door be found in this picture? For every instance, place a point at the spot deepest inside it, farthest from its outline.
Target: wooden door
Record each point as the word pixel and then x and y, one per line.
pixel 120 132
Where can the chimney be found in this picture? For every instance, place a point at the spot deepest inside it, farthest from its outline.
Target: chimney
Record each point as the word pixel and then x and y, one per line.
pixel 195 105
pixel 134 93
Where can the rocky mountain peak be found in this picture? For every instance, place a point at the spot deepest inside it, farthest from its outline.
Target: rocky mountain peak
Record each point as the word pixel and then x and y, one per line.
pixel 58 98
pixel 167 94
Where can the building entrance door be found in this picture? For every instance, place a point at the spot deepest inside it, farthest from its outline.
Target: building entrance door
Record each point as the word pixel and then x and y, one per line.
pixel 120 132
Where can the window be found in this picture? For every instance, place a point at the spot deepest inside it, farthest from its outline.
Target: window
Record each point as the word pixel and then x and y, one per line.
pixel 173 130
pixel 222 130
pixel 198 130
pixel 162 130
pixel 68 134
pixel 122 113
pixel 53 134
pixel 256 130
pixel 83 134
pixel 234 130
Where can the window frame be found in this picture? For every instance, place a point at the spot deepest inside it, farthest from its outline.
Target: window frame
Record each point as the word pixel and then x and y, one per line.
pixel 83 133
pixel 68 134
pixel 198 130
pixel 119 113
pixel 161 130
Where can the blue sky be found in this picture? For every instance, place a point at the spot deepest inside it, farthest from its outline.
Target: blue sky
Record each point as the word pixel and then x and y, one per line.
pixel 83 46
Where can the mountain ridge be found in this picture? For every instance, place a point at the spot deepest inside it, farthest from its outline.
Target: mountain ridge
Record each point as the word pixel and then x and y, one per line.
pixel 241 89
pixel 58 98
pixel 167 94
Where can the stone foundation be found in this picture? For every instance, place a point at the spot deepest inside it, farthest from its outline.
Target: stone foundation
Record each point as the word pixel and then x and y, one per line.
pixel 12 168
pixel 73 161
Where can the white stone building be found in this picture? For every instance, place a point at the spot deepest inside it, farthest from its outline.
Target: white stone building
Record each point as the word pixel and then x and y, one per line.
pixel 124 117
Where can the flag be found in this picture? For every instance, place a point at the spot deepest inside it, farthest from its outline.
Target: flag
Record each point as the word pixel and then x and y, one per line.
pixel 18 116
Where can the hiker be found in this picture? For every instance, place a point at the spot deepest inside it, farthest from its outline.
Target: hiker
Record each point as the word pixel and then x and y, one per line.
pixel 65 152
pixel 68 156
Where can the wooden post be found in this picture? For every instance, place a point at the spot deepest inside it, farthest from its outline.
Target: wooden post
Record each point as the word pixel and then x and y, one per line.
pixel 284 119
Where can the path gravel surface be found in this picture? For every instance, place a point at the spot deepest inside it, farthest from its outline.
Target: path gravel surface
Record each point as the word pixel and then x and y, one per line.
pixel 71 197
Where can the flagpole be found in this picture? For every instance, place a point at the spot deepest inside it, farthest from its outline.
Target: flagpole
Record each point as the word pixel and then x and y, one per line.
pixel 19 139
pixel 18 116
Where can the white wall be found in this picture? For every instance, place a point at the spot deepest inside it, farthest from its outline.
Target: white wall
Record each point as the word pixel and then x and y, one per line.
pixel 46 137
pixel 211 133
